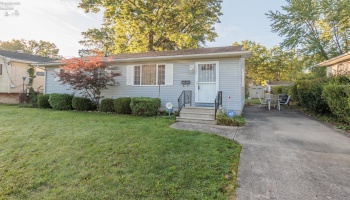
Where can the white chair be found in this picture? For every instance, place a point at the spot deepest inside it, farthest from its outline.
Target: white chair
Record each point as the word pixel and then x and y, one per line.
pixel 284 102
pixel 262 102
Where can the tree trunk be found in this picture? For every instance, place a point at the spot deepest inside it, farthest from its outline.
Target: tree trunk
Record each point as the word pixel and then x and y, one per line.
pixel 150 41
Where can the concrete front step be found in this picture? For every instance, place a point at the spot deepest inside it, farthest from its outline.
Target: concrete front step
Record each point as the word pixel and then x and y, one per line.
pixel 197 121
pixel 202 110
pixel 202 115
pixel 208 116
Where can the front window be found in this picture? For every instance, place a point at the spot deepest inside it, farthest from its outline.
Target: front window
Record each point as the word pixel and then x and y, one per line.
pixel 149 74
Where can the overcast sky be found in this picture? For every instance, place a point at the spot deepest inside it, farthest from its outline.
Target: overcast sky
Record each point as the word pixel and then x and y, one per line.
pixel 61 22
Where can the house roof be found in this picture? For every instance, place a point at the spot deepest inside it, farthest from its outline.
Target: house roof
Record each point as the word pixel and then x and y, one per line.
pixel 338 59
pixel 209 53
pixel 279 83
pixel 24 57
pixel 212 50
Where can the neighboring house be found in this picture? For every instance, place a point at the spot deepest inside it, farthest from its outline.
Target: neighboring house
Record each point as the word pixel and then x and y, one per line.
pixel 337 66
pixel 270 84
pixel 13 67
pixel 204 71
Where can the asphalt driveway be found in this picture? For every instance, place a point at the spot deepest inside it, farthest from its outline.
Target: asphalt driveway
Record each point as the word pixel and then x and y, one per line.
pixel 287 155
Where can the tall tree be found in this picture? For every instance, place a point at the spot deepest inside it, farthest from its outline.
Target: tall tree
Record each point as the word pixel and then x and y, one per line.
pixel 39 48
pixel 273 64
pixel 140 25
pixel 315 26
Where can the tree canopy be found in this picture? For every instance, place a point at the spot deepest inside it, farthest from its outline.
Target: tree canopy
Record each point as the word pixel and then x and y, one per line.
pixel 139 25
pixel 314 26
pixel 39 48
pixel 273 64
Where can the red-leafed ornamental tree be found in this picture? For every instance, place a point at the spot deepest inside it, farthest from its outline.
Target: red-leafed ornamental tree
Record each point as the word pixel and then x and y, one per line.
pixel 88 76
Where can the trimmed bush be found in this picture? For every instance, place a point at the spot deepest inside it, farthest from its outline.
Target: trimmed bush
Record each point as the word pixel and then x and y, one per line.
pixel 309 94
pixel 61 101
pixel 144 106
pixel 224 119
pixel 107 105
pixel 338 100
pixel 33 97
pixel 43 101
pixel 82 104
pixel 122 105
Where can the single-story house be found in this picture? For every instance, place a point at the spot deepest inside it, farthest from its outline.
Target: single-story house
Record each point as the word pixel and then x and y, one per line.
pixel 202 72
pixel 339 65
pixel 13 67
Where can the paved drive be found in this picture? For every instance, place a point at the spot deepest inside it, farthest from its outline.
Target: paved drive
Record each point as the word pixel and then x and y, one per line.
pixel 287 155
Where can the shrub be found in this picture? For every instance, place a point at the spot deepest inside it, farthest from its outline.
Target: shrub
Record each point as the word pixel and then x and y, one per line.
pixel 309 94
pixel 223 119
pixel 281 90
pixel 338 100
pixel 144 106
pixel 82 104
pixel 122 105
pixel 107 105
pixel 61 101
pixel 43 101
pixel 33 97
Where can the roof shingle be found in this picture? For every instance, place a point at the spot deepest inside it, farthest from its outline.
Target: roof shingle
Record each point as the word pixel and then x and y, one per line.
pixel 179 52
pixel 24 57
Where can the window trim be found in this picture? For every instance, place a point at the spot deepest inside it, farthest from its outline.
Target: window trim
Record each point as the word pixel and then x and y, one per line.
pixel 157 74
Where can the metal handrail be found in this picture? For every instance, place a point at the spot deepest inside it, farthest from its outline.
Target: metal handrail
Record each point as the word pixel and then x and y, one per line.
pixel 185 98
pixel 218 102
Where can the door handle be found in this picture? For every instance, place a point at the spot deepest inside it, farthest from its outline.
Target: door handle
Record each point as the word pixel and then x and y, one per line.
pixel 199 87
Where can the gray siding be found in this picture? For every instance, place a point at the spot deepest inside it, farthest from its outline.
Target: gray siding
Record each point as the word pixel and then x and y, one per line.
pixel 52 86
pixel 229 83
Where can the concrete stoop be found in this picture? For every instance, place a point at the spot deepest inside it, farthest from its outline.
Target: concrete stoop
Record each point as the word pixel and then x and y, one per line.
pixel 201 115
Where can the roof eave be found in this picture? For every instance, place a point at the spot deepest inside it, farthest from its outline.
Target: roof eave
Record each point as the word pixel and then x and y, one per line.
pixel 243 54
pixel 334 60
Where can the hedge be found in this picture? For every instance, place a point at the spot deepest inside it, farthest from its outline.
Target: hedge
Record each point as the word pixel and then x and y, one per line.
pixel 122 105
pixel 107 105
pixel 43 101
pixel 61 101
pixel 309 95
pixel 144 106
pixel 338 100
pixel 82 104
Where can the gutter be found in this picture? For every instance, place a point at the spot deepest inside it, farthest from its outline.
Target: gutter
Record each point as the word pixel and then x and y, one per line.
pixel 335 60
pixel 242 54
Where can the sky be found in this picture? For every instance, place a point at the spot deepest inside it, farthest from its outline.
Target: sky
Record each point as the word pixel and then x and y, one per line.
pixel 61 22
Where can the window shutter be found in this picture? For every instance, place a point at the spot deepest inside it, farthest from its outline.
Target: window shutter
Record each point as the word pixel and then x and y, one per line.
pixel 129 74
pixel 57 71
pixel 169 77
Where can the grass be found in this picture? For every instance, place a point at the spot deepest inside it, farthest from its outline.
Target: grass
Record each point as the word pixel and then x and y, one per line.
pixel 46 154
pixel 250 102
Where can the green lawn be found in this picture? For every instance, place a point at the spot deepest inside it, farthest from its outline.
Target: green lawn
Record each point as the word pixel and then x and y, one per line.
pixel 46 154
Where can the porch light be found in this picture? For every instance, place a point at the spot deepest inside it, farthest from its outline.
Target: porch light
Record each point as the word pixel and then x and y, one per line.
pixel 191 69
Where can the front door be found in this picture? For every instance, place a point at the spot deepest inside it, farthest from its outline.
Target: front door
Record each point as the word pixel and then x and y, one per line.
pixel 206 82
